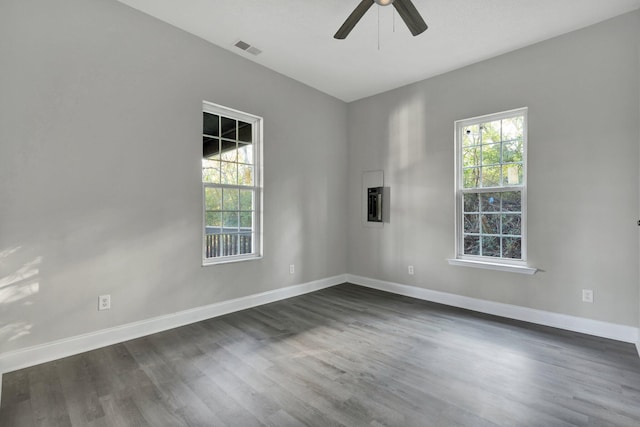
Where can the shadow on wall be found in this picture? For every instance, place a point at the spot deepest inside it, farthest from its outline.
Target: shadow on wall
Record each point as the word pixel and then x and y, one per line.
pixel 49 288
pixel 19 284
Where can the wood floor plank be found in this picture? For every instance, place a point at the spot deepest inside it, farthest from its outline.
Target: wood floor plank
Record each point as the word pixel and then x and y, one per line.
pixel 47 397
pixel 230 412
pixel 342 356
pixel 301 402
pixel 19 413
pixel 154 409
pixel 121 411
pixel 83 404
pixel 282 419
pixel 16 387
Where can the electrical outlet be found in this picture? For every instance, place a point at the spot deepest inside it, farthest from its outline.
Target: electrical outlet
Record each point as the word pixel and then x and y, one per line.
pixel 104 302
pixel 587 295
pixel 292 268
pixel 411 270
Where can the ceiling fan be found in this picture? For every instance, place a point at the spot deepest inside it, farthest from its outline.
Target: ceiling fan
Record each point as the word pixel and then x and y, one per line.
pixel 405 8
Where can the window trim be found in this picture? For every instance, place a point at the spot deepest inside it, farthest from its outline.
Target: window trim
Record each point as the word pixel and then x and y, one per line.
pixel 257 188
pixel 494 263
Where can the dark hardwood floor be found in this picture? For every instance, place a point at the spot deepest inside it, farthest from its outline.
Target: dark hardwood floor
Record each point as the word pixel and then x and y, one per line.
pixel 343 356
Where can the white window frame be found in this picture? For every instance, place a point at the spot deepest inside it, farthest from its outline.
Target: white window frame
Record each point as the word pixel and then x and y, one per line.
pixel 488 262
pixel 257 134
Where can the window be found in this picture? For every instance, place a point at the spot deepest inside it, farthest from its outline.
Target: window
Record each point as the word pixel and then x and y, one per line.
pixel 231 184
pixel 491 188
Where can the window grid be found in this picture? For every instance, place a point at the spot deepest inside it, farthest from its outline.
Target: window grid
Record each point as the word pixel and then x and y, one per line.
pixel 502 222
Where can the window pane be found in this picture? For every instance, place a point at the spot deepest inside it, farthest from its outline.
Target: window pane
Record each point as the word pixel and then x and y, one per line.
pixel 512 247
pixel 212 243
pixel 229 152
pixel 230 221
pixel 471 202
pixel 491 154
pixel 470 135
pixel 471 178
pixel 512 201
pixel 471 157
pixel 491 176
pixel 491 246
pixel 246 200
pixel 210 124
pixel 228 173
pixel 490 202
pixel 490 224
pixel 245 153
pixel 472 245
pixel 246 219
pixel 512 128
pixel 491 132
pixel 513 174
pixel 472 223
pixel 213 199
pixel 228 128
pixel 230 199
pixel 245 132
pixel 211 171
pixel 245 243
pixel 245 175
pixel 228 244
pixel 511 224
pixel 210 148
pixel 213 222
pixel 512 151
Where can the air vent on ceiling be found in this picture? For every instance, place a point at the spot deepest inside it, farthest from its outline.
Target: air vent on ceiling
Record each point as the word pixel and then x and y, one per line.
pixel 248 48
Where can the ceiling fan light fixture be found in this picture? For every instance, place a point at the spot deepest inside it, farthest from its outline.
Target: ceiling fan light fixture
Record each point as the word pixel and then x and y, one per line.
pixel 405 9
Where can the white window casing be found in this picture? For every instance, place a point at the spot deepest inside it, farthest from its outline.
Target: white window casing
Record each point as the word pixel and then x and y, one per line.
pixel 232 189
pixel 491 192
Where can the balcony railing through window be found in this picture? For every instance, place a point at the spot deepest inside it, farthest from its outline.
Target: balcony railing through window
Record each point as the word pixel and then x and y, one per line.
pixel 222 242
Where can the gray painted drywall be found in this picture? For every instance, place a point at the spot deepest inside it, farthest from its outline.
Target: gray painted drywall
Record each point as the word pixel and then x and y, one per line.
pixel 582 93
pixel 100 146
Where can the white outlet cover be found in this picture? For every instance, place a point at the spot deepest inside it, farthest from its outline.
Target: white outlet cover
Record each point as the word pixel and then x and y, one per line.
pixel 104 302
pixel 587 295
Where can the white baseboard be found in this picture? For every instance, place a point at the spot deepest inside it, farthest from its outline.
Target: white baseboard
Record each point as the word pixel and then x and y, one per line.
pixel 31 356
pixel 562 321
pixel 35 355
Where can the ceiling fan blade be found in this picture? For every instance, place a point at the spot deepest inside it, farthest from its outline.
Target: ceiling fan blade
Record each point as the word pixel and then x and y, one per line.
pixel 410 16
pixel 353 19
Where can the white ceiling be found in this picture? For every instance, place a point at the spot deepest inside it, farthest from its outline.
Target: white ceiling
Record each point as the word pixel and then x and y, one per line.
pixel 296 36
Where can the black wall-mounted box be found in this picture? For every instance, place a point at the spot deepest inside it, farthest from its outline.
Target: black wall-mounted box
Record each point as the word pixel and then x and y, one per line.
pixel 374 204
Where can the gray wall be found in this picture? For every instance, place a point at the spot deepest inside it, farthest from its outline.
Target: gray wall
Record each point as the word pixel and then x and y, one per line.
pixel 582 92
pixel 100 147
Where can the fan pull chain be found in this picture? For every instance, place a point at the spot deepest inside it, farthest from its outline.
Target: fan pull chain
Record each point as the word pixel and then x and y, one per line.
pixel 394 20
pixel 378 27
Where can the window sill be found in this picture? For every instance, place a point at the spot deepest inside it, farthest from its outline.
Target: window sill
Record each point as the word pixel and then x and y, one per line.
pixel 209 262
pixel 521 269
